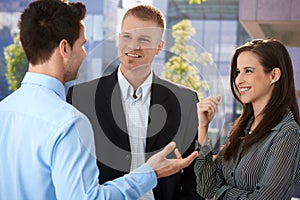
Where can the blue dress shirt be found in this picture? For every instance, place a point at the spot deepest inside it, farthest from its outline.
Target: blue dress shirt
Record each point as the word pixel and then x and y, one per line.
pixel 47 149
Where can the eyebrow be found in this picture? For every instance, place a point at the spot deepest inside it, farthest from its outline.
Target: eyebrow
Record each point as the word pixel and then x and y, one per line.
pixel 146 36
pixel 124 32
pixel 245 67
pixel 249 67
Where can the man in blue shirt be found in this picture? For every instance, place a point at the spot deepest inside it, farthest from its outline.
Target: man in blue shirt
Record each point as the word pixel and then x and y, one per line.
pixel 46 146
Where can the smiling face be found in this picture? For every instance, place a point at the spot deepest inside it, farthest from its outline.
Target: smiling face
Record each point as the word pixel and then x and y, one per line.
pixel 253 83
pixel 139 42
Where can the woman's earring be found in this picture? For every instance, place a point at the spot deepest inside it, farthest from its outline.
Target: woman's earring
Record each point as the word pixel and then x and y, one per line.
pixel 273 81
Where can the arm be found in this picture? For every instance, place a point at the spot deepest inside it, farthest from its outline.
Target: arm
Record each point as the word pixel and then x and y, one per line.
pixel 209 175
pixel 75 174
pixel 208 172
pixel 206 110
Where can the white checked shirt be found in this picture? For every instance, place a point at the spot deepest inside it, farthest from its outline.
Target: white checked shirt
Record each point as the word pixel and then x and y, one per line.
pixel 136 113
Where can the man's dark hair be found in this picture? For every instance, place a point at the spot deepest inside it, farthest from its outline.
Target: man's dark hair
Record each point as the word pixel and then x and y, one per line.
pixel 44 23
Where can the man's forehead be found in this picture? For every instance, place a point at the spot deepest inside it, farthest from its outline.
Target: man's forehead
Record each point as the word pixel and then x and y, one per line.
pixel 151 32
pixel 147 31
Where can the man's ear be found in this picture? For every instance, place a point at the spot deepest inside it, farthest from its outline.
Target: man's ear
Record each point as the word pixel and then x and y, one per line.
pixel 160 47
pixel 64 48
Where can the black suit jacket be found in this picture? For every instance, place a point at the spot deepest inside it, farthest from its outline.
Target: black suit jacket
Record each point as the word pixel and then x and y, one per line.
pixel 172 117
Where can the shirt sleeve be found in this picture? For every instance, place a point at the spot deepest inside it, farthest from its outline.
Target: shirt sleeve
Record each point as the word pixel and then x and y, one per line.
pixel 208 172
pixel 75 173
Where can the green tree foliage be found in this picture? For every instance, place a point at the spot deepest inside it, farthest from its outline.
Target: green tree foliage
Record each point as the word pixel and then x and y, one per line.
pixel 196 1
pixel 179 67
pixel 16 62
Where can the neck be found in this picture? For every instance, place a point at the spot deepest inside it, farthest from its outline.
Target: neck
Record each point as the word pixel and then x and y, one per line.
pixel 136 77
pixel 47 69
pixel 256 121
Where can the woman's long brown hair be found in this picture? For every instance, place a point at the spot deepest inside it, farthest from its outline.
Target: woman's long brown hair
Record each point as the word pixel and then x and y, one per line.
pixel 271 54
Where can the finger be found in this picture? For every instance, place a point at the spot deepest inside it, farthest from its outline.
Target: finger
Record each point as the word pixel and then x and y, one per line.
pixel 202 108
pixel 207 105
pixel 178 154
pixel 175 165
pixel 215 100
pixel 214 104
pixel 208 109
pixel 168 149
pixel 188 160
pixel 212 107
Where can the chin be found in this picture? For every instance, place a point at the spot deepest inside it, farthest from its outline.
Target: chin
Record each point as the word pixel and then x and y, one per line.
pixel 245 101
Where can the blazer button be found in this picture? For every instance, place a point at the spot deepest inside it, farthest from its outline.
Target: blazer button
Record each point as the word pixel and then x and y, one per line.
pixel 231 173
pixel 257 187
pixel 127 157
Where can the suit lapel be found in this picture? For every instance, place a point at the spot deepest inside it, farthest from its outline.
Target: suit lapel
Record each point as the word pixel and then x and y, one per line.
pixel 159 116
pixel 110 111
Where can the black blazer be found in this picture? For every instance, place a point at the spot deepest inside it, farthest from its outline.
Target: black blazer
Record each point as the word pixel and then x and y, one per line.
pixel 172 117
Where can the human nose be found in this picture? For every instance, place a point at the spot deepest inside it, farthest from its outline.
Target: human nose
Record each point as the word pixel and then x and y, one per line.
pixel 134 44
pixel 239 79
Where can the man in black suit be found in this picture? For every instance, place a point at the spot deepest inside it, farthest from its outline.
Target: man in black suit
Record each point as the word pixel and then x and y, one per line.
pixel 134 113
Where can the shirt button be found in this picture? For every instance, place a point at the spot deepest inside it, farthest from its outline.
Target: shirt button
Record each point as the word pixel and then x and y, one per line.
pixel 127 157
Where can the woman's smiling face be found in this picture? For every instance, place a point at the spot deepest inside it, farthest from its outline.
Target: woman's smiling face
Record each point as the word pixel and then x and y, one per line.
pixel 253 83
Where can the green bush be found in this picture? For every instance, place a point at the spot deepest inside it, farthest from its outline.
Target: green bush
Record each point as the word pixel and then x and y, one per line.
pixel 16 62
pixel 179 67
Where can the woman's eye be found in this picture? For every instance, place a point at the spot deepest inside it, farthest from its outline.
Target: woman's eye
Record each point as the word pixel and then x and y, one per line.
pixel 248 70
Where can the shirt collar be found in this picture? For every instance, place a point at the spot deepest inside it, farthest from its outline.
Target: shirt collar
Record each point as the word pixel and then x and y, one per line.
pixel 46 81
pixel 288 117
pixel 127 89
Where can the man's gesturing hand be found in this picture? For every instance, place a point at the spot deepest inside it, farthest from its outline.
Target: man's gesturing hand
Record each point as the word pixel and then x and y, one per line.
pixel 165 167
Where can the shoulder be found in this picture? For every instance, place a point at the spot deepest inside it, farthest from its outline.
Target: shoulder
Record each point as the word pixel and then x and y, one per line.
pixel 89 84
pixel 288 127
pixel 177 89
pixel 84 90
pixel 288 123
pixel 95 82
pixel 92 85
pixel 65 114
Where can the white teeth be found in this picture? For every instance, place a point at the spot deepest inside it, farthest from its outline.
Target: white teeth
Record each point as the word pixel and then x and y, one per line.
pixel 133 55
pixel 244 89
